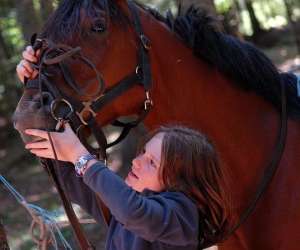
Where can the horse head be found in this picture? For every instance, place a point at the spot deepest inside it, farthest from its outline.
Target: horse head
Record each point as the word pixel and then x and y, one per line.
pixel 87 47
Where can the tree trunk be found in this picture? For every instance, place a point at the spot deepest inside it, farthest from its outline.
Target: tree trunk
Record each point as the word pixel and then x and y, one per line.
pixel 253 19
pixel 207 5
pixel 5 49
pixel 3 239
pixel 232 19
pixel 46 9
pixel 27 18
pixel 288 7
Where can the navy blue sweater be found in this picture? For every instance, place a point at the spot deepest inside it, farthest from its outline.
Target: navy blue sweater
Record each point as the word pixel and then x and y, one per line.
pixel 140 221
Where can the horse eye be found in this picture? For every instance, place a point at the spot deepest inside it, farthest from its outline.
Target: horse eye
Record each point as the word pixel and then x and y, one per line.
pixel 98 27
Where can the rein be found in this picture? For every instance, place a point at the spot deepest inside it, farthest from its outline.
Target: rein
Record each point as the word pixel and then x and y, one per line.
pixel 77 111
pixel 273 163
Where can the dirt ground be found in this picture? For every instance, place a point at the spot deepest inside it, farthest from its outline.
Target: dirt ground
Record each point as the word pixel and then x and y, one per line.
pixel 25 174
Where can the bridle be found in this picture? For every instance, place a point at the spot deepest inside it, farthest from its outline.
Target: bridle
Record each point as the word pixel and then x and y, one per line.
pixel 141 75
pixel 83 114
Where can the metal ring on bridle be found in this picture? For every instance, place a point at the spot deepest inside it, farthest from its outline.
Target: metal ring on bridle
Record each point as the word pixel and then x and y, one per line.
pixel 145 41
pixel 138 70
pixel 54 105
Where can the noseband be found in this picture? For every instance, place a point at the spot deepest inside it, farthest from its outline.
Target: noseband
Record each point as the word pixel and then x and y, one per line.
pixel 83 114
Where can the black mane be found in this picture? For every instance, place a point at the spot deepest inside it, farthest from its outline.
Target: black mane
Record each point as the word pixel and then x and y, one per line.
pixel 248 67
pixel 64 24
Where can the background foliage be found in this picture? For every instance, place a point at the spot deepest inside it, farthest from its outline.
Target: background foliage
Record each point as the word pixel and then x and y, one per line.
pixel 271 24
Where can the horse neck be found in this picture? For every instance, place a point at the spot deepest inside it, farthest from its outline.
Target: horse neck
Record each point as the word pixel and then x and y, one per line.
pixel 188 91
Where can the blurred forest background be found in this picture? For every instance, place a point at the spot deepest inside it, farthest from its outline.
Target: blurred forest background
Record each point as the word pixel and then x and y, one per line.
pixel 272 25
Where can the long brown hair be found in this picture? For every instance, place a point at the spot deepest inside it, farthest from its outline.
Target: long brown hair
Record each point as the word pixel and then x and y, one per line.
pixel 190 164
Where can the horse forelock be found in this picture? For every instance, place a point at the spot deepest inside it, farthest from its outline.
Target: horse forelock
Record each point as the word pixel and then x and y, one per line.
pixel 65 23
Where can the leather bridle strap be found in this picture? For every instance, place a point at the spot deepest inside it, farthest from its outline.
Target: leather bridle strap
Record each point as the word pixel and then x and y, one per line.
pixel 115 91
pixel 80 236
pixel 144 47
pixel 273 164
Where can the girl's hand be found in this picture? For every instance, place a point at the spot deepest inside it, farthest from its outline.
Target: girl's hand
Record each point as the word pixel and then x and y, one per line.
pixel 67 145
pixel 24 68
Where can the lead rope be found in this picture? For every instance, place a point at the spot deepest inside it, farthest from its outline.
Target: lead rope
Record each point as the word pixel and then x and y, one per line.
pixel 42 220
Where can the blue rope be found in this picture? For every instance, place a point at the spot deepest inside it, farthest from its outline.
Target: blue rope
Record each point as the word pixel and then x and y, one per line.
pixel 14 192
pixel 47 217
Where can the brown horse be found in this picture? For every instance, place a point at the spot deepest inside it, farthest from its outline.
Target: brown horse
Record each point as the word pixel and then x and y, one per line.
pixel 200 78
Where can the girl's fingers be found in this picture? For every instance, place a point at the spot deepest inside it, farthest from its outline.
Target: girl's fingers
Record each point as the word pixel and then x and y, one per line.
pixel 38 145
pixel 44 153
pixel 30 50
pixel 26 65
pixel 21 69
pixel 34 74
pixel 24 69
pixel 22 72
pixel 37 132
pixel 30 57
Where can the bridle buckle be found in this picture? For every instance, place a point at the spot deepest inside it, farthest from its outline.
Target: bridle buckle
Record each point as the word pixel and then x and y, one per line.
pixel 84 110
pixel 148 103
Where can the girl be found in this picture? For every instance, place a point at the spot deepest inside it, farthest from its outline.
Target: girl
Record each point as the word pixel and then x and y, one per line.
pixel 174 196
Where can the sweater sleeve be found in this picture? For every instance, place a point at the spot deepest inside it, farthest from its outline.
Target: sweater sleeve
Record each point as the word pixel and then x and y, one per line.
pixel 169 217
pixel 78 192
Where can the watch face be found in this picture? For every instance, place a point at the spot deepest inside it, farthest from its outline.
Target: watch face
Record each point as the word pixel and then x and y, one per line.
pixel 81 162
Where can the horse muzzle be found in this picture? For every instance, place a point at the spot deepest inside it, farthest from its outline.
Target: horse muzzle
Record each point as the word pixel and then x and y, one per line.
pixel 31 114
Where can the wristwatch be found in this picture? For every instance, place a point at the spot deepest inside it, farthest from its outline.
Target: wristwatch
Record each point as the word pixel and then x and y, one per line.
pixel 81 163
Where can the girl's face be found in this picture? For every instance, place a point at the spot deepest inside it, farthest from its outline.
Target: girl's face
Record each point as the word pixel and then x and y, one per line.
pixel 145 168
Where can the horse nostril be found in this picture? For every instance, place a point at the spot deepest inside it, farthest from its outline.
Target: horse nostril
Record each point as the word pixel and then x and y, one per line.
pixel 47 98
